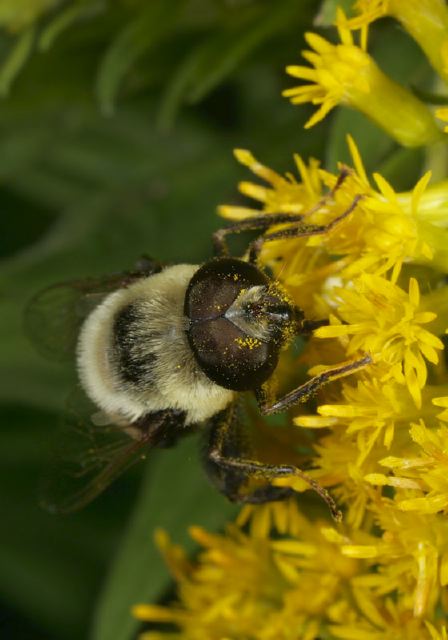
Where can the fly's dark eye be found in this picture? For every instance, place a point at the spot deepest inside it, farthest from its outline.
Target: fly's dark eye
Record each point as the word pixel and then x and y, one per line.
pixel 228 354
pixel 230 357
pixel 217 284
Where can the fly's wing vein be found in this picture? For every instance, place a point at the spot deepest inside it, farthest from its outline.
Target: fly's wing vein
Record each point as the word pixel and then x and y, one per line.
pixel 87 457
pixel 54 316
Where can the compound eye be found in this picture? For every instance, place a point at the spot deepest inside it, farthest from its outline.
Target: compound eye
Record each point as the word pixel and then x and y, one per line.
pixel 231 358
pixel 226 353
pixel 216 285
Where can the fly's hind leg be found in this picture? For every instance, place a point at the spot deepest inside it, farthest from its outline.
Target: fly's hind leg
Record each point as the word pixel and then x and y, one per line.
pixel 231 467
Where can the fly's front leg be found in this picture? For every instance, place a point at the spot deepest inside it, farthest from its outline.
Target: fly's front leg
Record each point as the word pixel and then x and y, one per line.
pixel 308 326
pixel 307 389
pixel 256 223
pixel 300 230
pixel 263 221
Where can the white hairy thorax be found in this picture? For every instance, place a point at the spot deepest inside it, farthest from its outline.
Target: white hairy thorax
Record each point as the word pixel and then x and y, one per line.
pixel 176 381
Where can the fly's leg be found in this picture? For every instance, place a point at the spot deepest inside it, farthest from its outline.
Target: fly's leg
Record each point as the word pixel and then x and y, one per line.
pixel 267 220
pixel 232 468
pixel 250 224
pixel 307 389
pixel 300 230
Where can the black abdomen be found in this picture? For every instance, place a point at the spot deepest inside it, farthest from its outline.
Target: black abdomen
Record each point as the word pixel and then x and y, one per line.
pixel 134 362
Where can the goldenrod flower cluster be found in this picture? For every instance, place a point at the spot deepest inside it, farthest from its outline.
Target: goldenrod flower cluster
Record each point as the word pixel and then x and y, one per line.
pixel 346 74
pixel 381 434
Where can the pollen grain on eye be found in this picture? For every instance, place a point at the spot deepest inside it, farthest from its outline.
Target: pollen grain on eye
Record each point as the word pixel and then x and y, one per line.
pixel 248 342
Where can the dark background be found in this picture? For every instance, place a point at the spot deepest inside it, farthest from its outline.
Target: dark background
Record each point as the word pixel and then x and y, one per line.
pixel 114 142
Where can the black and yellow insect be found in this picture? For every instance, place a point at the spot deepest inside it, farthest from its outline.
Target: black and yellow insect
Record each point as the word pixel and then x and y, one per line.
pixel 165 349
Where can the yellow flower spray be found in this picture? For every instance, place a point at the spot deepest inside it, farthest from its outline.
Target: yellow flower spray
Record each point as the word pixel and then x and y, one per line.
pixel 381 435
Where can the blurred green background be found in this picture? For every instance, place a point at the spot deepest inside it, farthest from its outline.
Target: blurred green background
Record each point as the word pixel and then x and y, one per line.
pixel 117 125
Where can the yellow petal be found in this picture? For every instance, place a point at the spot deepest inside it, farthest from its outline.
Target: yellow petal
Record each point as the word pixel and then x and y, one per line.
pixel 294 547
pixel 315 422
pixel 332 535
pixel 414 292
pixel 360 551
pixel 427 504
pixel 357 160
pixel 418 190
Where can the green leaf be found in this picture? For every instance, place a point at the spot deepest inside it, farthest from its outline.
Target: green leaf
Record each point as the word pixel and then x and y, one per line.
pixel 176 90
pixel 327 11
pixel 225 55
pixel 16 60
pixel 49 565
pixel 66 18
pixel 402 168
pixel 372 142
pixel 175 494
pixel 137 37
pixel 379 153
pixel 214 59
pixel 431 97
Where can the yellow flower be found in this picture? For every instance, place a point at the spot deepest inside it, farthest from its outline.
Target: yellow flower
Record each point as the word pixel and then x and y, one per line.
pixel 283 517
pixel 411 557
pixel 346 74
pixel 383 320
pixel 290 583
pixel 283 195
pixel 338 465
pixel 368 11
pixel 384 230
pixel 390 621
pixel 425 20
pixel 432 206
pixel 443 115
pixel 370 410
pixel 427 469
pixel 286 194
pixel 378 440
pixel 305 580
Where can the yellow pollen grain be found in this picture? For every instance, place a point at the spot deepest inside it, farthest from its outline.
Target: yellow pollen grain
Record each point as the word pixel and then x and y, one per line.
pixel 248 343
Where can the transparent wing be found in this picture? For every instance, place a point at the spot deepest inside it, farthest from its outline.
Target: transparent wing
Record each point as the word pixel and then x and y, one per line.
pixel 90 455
pixel 54 316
